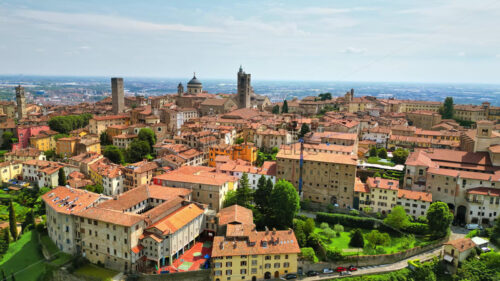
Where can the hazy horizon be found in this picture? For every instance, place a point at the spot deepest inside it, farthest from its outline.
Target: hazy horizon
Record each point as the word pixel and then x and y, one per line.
pixel 295 40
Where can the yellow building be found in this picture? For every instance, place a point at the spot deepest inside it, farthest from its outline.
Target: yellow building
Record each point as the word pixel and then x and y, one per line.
pixel 98 124
pixel 66 146
pixel 10 170
pixel 247 152
pixel 44 140
pixel 247 254
pixel 379 194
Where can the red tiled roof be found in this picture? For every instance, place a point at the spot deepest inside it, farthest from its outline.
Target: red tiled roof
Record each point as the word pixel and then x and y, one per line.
pixel 382 183
pixel 69 200
pixel 462 244
pixel 235 214
pixel 415 195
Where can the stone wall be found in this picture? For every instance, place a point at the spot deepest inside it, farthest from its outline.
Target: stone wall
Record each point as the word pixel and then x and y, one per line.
pixel 370 260
pixel 63 275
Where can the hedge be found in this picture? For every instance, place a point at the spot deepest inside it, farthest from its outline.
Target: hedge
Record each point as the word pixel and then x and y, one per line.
pixel 353 221
pixel 416 228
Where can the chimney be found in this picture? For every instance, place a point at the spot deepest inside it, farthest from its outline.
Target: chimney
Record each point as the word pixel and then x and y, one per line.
pixel 274 230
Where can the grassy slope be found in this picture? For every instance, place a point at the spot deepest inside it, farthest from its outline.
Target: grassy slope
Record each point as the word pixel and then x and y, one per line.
pixel 95 271
pixel 24 258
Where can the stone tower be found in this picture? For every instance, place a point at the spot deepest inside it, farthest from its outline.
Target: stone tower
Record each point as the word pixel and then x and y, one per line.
pixel 180 89
pixel 244 89
pixel 117 95
pixel 21 103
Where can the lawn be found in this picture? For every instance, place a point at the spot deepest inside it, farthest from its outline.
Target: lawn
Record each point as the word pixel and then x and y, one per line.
pixel 24 258
pixel 58 258
pixel 95 271
pixel 342 243
pixel 20 211
pixel 380 161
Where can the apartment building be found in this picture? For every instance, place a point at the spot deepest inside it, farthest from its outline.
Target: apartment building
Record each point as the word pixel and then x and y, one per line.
pixel 326 178
pixel 424 119
pixel 267 139
pixel 379 194
pixel 139 173
pixel 44 140
pixel 209 186
pixel 247 254
pixel 10 170
pixel 109 175
pixel 134 231
pixel 244 151
pixel 99 124
pixel 24 155
pixel 45 173
pixel 238 168
pixel 416 203
pixel 123 141
pixel 468 182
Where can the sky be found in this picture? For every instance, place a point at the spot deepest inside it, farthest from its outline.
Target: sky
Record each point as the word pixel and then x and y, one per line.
pixel 371 40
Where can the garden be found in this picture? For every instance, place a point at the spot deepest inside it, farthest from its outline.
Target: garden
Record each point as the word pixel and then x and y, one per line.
pixel 334 236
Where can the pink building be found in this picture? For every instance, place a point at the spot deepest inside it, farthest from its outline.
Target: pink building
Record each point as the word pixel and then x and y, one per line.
pixel 25 133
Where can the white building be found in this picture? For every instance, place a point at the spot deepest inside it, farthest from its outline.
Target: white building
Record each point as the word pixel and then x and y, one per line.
pixel 45 173
pixel 416 203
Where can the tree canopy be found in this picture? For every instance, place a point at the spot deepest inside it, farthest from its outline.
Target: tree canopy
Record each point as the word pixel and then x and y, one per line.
pixel 304 130
pixel 325 96
pixel 7 140
pixel 284 109
pixel 138 150
pixel 244 193
pixel 68 123
pixel 114 154
pixel 357 239
pixel 440 218
pixel 397 218
pixel 286 204
pixel 276 109
pixel 62 177
pixel 146 134
pixel 399 156
pixel 447 111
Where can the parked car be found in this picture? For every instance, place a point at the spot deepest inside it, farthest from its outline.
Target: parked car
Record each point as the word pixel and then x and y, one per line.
pixel 290 276
pixel 340 269
pixel 345 273
pixel 312 273
pixel 352 268
pixel 485 249
pixel 473 226
pixel 327 270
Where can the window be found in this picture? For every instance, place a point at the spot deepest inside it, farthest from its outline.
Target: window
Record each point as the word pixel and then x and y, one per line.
pixel 229 264
pixel 243 271
pixel 286 264
pixel 277 265
pixel 243 263
pixel 229 272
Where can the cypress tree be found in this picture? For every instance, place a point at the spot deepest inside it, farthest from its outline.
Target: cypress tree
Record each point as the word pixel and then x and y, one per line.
pixel 4 241
pixel 12 221
pixel 62 177
pixel 284 109
pixel 12 277
pixel 4 278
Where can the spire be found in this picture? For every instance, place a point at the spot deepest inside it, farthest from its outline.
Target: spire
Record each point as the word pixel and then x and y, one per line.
pixel 241 69
pixel 194 74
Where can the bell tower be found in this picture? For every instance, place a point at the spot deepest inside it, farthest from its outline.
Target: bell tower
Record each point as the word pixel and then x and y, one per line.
pixel 21 103
pixel 244 89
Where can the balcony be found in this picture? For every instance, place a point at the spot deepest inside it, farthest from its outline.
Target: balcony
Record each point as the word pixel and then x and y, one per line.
pixel 475 201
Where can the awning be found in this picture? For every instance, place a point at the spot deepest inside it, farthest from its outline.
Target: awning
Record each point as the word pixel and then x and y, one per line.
pixel 448 258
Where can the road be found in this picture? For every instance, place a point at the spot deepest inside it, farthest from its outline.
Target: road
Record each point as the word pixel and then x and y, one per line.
pixel 381 268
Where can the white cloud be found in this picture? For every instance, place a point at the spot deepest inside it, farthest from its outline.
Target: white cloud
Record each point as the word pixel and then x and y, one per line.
pixel 462 54
pixel 498 56
pixel 104 22
pixel 352 50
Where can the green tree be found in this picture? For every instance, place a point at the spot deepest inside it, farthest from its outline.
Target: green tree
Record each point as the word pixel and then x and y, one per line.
pixel 244 193
pixel 138 150
pixel 308 254
pixel 114 154
pixel 377 175
pixel 309 226
pixel 304 129
pixel 12 221
pixel 276 109
pixel 424 272
pixel 373 151
pixel 298 229
pixel 397 218
pixel 262 194
pixel 325 96
pixel 329 233
pixel 4 241
pixel 375 238
pixel 50 154
pixel 29 221
pixel 399 156
pixel 286 204
pixel 12 278
pixel 284 109
pixel 4 278
pixel 357 239
pixel 239 141
pixel 62 177
pixel 230 199
pixel 7 140
pixel 495 232
pixel 382 153
pixel 440 218
pixel 105 139
pixel 338 228
pixel 447 111
pixel 146 134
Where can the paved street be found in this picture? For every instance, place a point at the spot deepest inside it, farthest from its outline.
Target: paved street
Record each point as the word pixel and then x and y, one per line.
pixel 382 268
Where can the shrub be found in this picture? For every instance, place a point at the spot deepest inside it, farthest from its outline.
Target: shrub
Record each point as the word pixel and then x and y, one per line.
pixel 357 239
pixel 416 228
pixel 333 255
pixel 329 233
pixel 324 225
pixel 352 221
pixel 338 228
pixel 354 213
pixel 308 254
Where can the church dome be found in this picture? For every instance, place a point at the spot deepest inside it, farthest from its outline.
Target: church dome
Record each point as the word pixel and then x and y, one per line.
pixel 194 81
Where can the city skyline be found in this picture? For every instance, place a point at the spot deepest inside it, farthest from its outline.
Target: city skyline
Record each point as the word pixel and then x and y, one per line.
pixel 359 41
